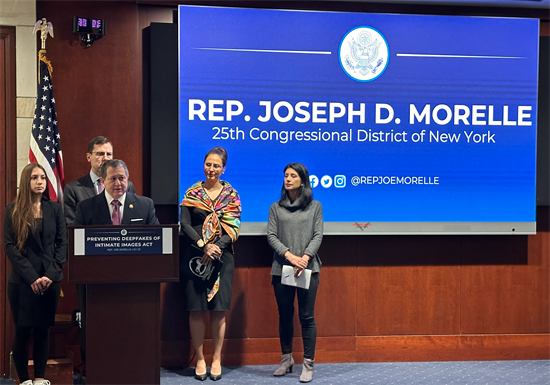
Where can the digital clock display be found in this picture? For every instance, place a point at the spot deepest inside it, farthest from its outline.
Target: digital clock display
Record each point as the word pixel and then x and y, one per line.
pixel 88 25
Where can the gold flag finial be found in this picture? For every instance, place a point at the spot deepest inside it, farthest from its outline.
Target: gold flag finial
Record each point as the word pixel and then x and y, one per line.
pixel 45 28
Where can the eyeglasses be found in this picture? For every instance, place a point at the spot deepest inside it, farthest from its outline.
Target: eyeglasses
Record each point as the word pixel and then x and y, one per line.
pixel 101 154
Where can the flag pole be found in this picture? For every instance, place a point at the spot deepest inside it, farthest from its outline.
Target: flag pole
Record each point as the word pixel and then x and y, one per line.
pixel 45 27
pixel 45 144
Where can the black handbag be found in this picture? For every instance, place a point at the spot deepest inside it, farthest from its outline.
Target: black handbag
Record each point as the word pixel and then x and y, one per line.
pixel 195 270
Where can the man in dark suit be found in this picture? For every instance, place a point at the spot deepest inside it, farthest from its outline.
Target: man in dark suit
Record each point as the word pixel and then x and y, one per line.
pixel 115 205
pixel 100 149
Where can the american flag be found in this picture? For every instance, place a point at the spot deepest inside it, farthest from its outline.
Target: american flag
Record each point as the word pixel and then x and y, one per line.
pixel 45 139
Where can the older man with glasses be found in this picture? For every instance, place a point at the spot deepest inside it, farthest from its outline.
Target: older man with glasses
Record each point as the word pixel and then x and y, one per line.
pixel 100 150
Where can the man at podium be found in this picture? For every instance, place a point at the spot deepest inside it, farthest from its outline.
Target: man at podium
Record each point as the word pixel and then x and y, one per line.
pixel 100 150
pixel 115 205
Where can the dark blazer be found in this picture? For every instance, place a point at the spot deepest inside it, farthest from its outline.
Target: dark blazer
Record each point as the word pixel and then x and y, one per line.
pixel 78 190
pixel 42 255
pixel 138 210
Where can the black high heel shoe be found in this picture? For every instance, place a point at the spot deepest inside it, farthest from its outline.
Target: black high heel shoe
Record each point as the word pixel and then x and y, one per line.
pixel 201 377
pixel 215 377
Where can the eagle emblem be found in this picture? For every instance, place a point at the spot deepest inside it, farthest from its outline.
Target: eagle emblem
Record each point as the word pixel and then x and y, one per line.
pixel 364 54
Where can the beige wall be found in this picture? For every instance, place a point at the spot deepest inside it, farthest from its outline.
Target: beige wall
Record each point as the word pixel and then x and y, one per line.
pixel 21 14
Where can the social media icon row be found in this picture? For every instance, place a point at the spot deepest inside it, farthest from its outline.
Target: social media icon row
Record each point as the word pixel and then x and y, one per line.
pixel 326 181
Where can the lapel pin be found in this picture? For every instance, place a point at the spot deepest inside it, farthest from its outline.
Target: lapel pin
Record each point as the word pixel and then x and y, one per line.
pixel 131 206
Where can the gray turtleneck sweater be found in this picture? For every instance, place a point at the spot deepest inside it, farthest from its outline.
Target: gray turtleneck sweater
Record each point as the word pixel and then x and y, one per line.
pixel 298 231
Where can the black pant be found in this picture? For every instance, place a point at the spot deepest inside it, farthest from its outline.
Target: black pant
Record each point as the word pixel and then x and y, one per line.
pixel 39 352
pixel 306 306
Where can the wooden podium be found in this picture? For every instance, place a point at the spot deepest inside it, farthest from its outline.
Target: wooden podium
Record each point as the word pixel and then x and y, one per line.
pixel 123 276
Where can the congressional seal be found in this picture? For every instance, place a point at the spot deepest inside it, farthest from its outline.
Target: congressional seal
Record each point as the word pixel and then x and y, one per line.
pixel 363 54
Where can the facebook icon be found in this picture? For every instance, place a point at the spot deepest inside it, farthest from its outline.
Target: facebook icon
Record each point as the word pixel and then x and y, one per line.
pixel 313 180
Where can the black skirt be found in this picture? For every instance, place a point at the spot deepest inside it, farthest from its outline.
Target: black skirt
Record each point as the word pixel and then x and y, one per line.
pixel 196 292
pixel 33 310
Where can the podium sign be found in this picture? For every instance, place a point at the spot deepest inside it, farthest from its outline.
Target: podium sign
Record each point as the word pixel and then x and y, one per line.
pixel 123 254
pixel 123 267
pixel 127 240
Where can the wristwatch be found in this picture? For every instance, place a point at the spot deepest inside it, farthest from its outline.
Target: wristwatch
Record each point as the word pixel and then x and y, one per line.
pixel 200 243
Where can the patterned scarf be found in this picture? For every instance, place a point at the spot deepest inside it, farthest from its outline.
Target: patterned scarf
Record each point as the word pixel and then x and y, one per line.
pixel 224 212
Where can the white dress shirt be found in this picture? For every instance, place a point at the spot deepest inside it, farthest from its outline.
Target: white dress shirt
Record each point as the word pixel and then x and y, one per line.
pixel 111 207
pixel 95 181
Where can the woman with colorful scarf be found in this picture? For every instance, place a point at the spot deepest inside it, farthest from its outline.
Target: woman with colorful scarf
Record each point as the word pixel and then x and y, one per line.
pixel 210 220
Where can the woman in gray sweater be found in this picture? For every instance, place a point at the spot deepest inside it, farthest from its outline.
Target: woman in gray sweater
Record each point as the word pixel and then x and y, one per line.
pixel 295 231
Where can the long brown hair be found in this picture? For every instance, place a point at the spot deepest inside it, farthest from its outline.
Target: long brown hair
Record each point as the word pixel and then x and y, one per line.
pixel 23 216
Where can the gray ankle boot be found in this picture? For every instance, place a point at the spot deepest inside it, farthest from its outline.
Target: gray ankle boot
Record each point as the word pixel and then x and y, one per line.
pixel 307 371
pixel 286 365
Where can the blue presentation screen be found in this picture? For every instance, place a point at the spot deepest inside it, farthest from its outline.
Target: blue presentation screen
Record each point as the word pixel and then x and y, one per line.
pixel 406 123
